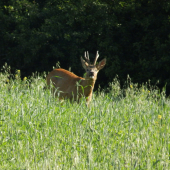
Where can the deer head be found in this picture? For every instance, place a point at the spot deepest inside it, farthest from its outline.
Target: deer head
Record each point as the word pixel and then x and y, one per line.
pixel 92 69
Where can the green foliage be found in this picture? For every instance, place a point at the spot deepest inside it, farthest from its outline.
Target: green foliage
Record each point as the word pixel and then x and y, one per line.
pixel 117 132
pixel 133 35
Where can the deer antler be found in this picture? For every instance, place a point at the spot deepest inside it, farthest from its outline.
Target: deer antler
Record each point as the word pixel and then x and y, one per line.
pixel 86 56
pixel 97 56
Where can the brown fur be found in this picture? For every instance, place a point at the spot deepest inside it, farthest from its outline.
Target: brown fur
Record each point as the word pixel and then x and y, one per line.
pixel 67 85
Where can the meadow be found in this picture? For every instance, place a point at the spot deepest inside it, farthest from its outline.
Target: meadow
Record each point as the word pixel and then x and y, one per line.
pixel 124 128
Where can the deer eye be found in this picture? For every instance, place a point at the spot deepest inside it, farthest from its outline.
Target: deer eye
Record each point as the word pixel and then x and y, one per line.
pixel 87 70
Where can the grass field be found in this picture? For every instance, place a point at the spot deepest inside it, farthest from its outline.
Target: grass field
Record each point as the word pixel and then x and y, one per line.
pixel 122 129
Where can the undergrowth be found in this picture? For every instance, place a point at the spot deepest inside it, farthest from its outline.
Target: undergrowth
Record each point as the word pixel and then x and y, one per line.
pixel 122 129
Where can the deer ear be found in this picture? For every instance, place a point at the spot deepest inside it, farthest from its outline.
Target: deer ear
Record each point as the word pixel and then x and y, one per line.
pixel 84 64
pixel 101 64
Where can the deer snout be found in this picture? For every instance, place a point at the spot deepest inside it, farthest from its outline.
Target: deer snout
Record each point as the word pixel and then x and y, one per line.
pixel 91 74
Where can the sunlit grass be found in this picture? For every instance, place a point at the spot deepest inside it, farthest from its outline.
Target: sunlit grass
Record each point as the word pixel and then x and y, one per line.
pixel 122 129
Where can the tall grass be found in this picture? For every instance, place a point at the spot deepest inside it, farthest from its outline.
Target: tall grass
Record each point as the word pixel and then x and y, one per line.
pixel 122 129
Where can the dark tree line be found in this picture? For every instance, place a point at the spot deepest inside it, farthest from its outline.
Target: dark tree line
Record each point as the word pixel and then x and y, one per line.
pixel 134 35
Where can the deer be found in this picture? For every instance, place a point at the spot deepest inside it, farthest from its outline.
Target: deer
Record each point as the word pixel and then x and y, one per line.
pixel 67 85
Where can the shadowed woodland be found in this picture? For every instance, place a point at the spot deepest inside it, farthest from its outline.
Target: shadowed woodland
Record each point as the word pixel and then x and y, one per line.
pixel 134 36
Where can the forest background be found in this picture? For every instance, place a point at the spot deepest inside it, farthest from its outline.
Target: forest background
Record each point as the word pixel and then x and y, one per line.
pixel 134 36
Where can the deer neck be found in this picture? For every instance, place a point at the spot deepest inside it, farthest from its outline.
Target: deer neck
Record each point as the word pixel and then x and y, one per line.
pixel 88 85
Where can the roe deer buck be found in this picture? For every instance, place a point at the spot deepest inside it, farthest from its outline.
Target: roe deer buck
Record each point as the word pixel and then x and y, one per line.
pixel 73 87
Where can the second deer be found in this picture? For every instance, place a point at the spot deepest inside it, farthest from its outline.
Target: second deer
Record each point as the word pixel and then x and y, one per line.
pixel 73 87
